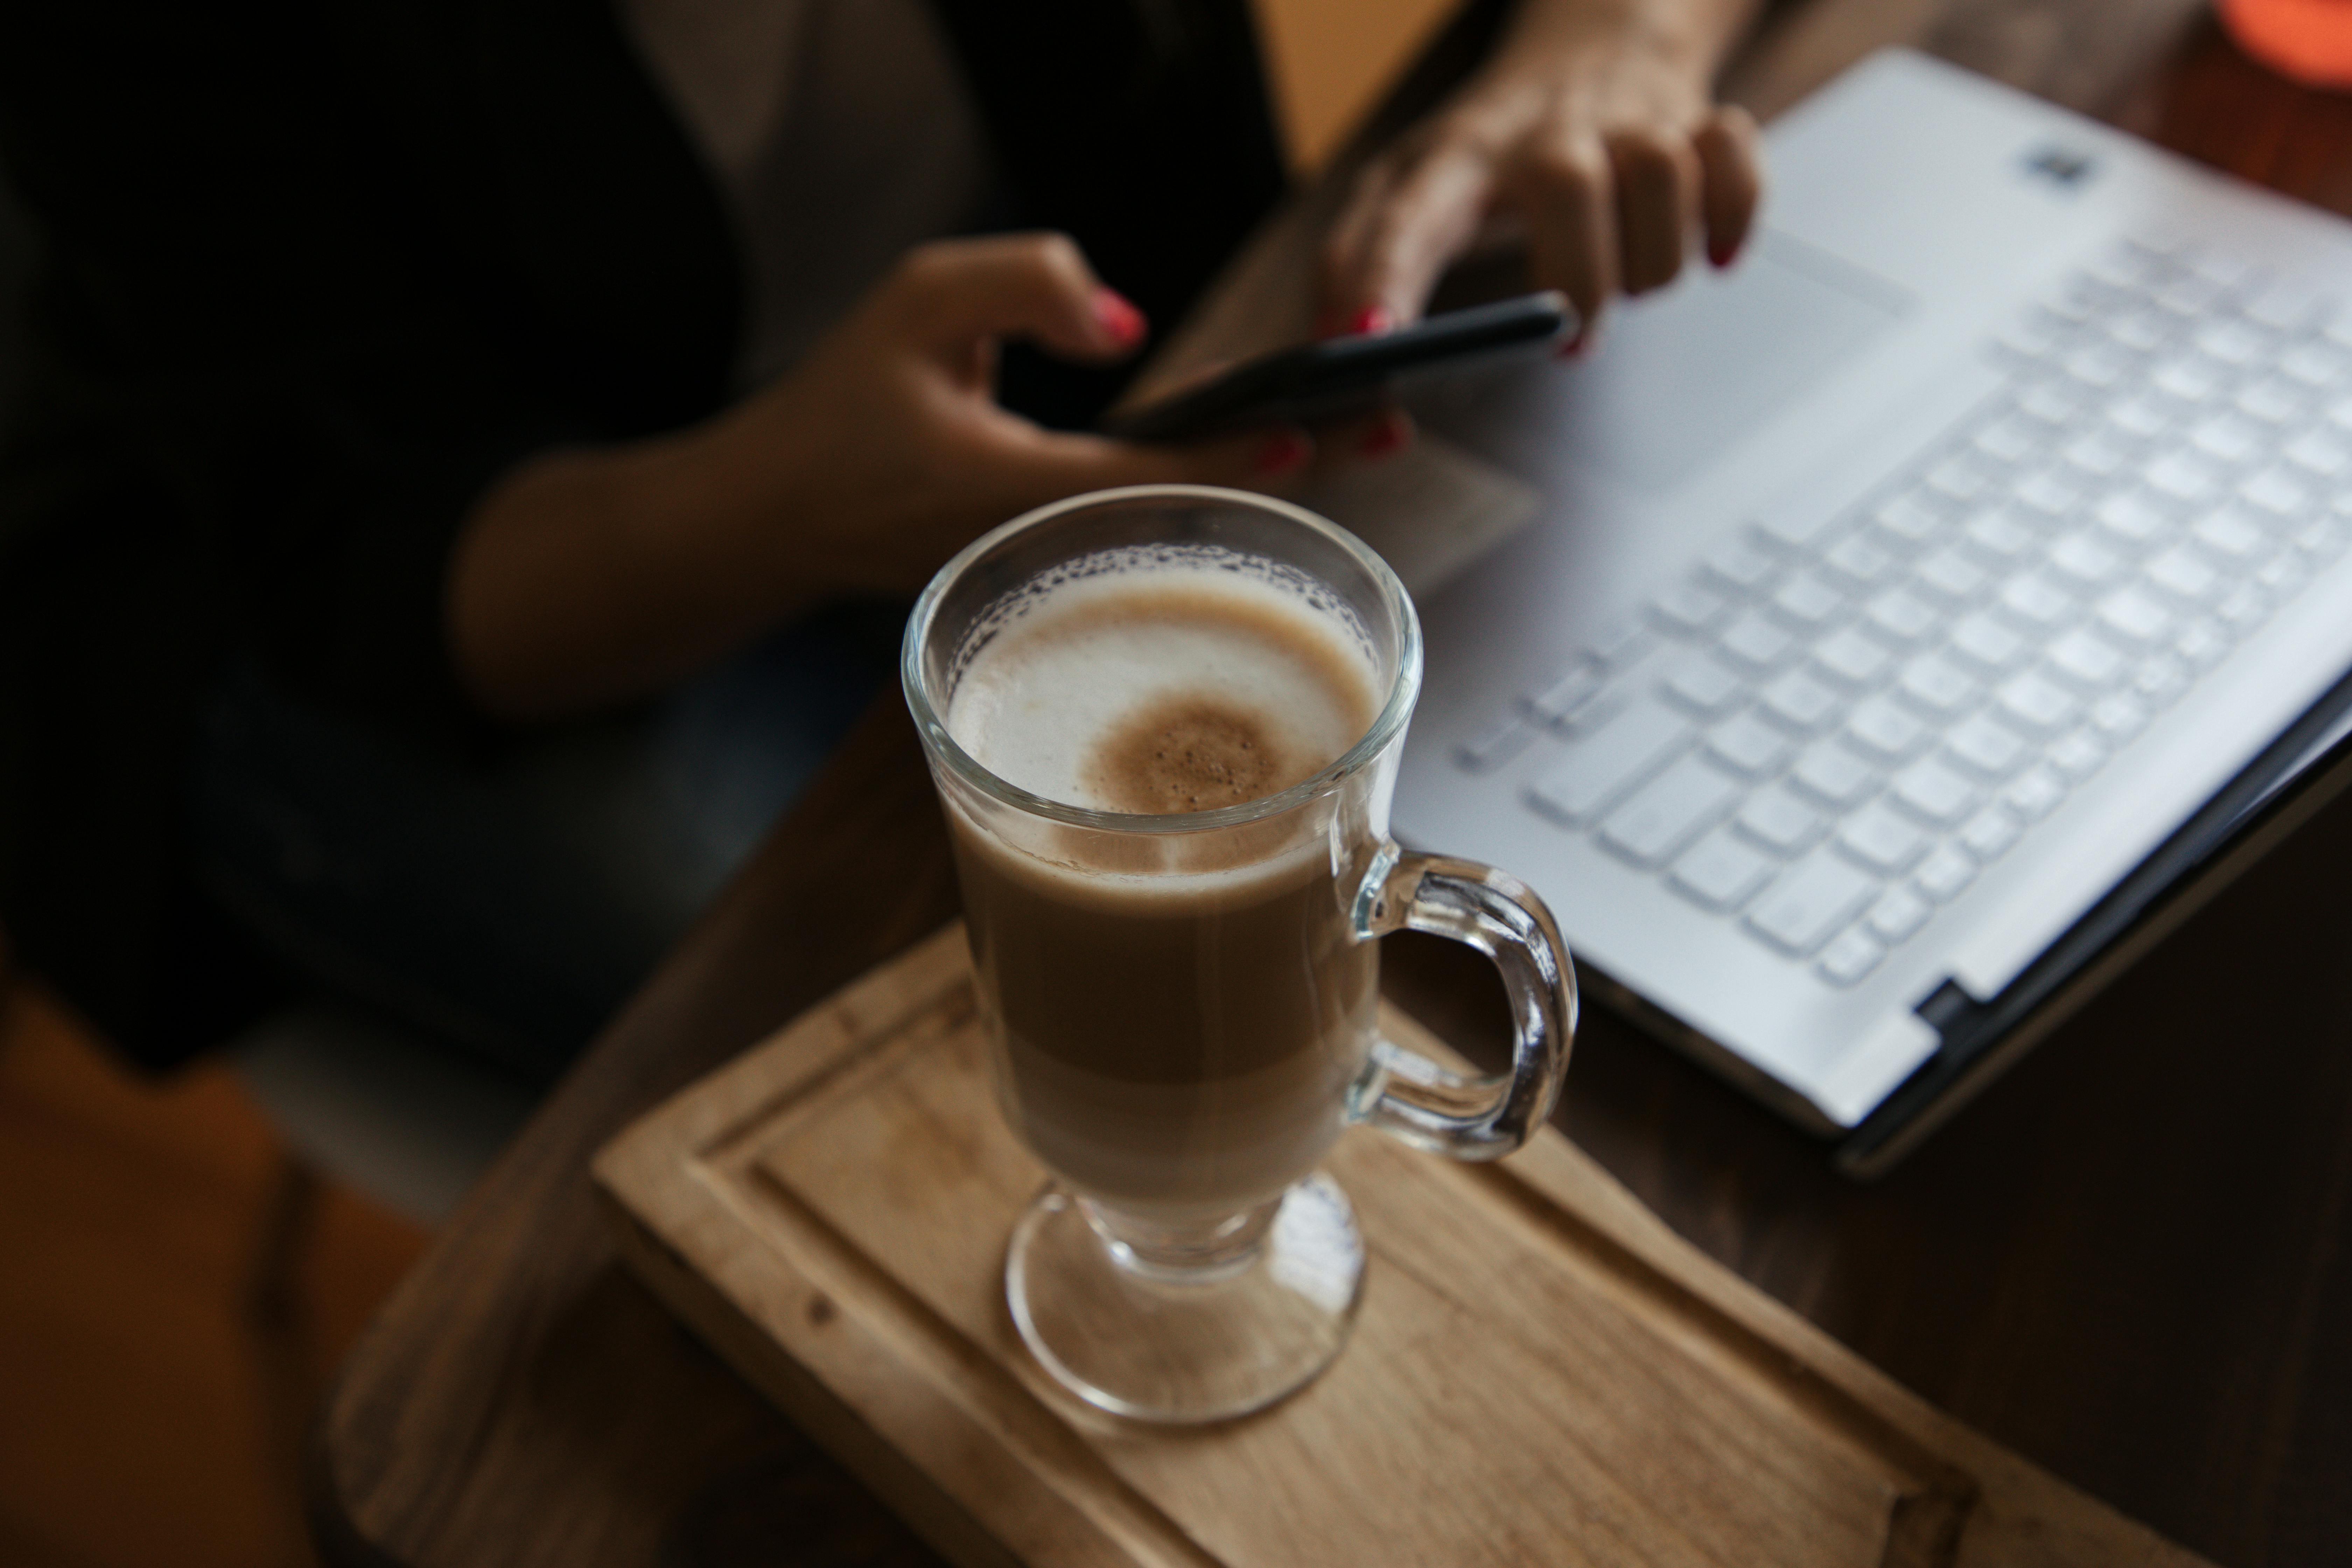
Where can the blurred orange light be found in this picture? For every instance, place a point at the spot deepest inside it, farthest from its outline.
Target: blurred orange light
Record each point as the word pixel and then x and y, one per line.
pixel 2309 40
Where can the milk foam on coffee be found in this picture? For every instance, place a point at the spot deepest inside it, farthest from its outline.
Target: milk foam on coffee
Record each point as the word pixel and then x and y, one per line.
pixel 1173 688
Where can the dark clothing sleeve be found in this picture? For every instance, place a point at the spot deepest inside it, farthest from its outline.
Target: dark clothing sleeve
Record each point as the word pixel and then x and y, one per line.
pixel 317 275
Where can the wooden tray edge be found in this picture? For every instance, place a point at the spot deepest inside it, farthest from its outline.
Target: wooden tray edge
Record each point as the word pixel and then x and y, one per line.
pixel 2018 1515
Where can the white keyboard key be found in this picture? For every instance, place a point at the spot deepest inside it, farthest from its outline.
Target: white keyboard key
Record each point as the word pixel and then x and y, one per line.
pixel 2098 366
pixel 2228 438
pixel 2037 604
pixel 2051 495
pixel 2202 644
pixel 1811 900
pixel 1908 522
pixel 2119 716
pixel 2098 456
pixel 2319 454
pixel 1997 537
pixel 1718 872
pixel 1950 578
pixel 1933 793
pixel 1985 748
pixel 2234 343
pixel 1881 731
pixel 2035 794
pixel 2183 575
pixel 1804 600
pixel 1957 480
pixel 1937 687
pixel 1834 777
pixel 2244 608
pixel 1880 840
pixel 1608 759
pixel 2142 416
pixel 2272 400
pixel 1990 834
pixel 2231 534
pixel 1687 610
pixel 1857 562
pixel 2318 365
pixel 1748 745
pixel 1742 567
pixel 2160 680
pixel 2282 575
pixel 2191 378
pixel 1793 531
pixel 2279 493
pixel 1897 915
pixel 1901 616
pixel 1850 958
pixel 2009 440
pixel 2130 519
pixel 2323 541
pixel 2084 660
pixel 1780 822
pixel 2084 564
pixel 1661 816
pixel 1755 645
pixel 1987 644
pixel 1942 875
pixel 1620 643
pixel 1801 702
pixel 1707 686
pixel 1848 657
pixel 2281 307
pixel 2135 615
pixel 1561 700
pixel 1496 745
pixel 2079 755
pixel 2185 476
pixel 2052 403
pixel 2036 704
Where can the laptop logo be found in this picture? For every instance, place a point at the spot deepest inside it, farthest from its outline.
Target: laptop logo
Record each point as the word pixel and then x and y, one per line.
pixel 2062 166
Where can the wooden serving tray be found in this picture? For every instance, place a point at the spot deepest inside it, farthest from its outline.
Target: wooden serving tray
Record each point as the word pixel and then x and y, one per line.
pixel 1541 1373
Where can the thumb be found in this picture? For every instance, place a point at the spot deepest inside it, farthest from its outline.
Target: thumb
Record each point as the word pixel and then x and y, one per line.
pixel 1035 286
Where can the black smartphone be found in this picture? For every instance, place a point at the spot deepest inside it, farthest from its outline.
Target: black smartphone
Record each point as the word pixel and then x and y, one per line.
pixel 1339 377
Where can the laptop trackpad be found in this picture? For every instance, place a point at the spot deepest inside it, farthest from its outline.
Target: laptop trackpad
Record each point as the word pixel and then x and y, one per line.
pixel 1681 374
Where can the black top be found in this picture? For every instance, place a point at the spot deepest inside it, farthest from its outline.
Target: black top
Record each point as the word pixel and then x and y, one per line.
pixel 317 275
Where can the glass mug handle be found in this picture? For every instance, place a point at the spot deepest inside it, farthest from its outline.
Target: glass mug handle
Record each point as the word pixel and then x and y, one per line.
pixel 1406 1094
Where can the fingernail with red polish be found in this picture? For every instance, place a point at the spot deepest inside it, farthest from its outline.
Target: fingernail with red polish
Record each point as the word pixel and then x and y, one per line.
pixel 1391 435
pixel 1284 450
pixel 1122 319
pixel 1372 318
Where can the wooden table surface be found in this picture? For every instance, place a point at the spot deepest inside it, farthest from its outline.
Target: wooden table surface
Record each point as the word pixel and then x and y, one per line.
pixel 2131 1260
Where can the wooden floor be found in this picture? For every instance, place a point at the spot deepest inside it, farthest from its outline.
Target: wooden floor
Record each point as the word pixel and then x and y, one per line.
pixel 173 1292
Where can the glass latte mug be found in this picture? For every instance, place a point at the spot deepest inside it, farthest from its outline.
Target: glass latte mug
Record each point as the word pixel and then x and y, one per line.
pixel 1164 723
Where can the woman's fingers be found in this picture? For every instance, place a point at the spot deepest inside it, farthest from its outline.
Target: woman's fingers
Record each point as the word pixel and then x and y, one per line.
pixel 1566 195
pixel 1733 176
pixel 1408 219
pixel 1038 286
pixel 1656 178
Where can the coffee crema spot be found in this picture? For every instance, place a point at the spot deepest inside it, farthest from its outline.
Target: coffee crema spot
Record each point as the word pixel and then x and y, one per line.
pixel 1189 754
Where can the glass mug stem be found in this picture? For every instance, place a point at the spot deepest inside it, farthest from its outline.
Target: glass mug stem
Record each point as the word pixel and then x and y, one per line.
pixel 1408 1096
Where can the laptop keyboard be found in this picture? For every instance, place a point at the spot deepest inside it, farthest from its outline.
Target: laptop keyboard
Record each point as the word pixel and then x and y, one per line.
pixel 1829 726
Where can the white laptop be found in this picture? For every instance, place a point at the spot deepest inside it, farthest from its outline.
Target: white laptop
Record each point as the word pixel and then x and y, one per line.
pixel 1912 616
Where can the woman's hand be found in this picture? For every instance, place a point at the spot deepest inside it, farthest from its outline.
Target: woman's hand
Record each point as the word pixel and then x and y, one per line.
pixel 1592 132
pixel 887 445
pixel 588 577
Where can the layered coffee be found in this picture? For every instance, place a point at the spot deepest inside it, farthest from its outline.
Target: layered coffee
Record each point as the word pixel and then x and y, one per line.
pixel 1179 1012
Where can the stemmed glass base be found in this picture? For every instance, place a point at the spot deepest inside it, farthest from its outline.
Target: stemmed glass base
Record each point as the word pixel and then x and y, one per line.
pixel 1192 1326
